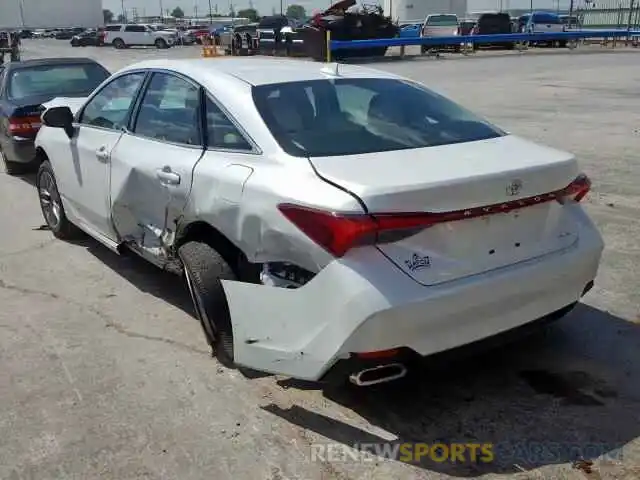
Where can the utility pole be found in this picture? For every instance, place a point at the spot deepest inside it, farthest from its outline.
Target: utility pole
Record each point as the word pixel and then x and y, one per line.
pixel 22 13
pixel 161 12
pixel 571 13
pixel 631 6
pixel 124 12
pixel 210 13
pixel 281 7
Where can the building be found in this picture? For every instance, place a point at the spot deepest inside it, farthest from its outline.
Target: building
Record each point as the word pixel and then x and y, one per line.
pixel 417 10
pixel 33 14
pixel 610 13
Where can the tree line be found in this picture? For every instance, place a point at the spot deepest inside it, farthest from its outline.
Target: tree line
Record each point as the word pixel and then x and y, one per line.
pixel 297 12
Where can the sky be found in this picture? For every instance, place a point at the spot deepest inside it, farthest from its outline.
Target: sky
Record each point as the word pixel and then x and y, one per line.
pixel 152 7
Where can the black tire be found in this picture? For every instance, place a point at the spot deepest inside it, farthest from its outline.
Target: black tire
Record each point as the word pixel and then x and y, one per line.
pixel 424 49
pixel 63 228
pixel 12 168
pixel 204 268
pixel 119 43
pixel 161 43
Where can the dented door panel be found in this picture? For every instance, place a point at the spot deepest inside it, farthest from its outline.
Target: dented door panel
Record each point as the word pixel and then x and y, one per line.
pixel 239 193
pixel 145 202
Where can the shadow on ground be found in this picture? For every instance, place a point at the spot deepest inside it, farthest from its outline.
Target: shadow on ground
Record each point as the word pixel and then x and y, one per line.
pixel 567 393
pixel 570 392
pixel 142 275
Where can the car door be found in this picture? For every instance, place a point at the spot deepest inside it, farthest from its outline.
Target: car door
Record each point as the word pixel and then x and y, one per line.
pixel 82 171
pixel 152 165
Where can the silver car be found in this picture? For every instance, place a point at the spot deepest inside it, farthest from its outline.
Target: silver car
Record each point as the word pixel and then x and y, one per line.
pixel 325 217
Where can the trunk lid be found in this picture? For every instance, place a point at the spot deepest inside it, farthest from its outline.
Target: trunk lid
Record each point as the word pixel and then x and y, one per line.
pixel 458 177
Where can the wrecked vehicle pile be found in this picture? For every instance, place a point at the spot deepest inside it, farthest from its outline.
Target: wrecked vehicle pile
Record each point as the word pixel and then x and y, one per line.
pixel 279 35
pixel 366 23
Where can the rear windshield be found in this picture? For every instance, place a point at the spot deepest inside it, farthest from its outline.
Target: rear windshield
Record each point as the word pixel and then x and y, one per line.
pixel 55 80
pixel 442 21
pixel 494 19
pixel 546 18
pixel 365 115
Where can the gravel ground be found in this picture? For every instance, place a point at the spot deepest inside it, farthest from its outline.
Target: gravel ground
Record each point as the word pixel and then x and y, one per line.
pixel 105 373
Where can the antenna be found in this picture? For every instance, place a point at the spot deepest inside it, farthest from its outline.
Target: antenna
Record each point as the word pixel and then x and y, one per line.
pixel 331 69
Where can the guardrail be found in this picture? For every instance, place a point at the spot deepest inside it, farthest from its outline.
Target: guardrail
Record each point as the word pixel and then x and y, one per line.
pixel 567 36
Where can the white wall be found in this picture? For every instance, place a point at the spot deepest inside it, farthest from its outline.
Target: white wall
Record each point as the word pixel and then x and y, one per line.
pixel 10 14
pixel 419 9
pixel 51 13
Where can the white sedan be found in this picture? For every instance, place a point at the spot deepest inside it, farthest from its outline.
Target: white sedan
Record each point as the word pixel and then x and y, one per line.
pixel 326 218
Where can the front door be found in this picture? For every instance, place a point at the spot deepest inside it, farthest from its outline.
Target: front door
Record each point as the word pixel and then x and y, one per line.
pixel 99 129
pixel 151 167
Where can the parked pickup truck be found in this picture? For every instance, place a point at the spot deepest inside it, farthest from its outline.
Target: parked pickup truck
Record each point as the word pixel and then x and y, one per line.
pixel 123 36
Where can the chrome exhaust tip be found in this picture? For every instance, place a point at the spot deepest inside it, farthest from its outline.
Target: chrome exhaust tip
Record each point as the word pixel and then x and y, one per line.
pixel 379 374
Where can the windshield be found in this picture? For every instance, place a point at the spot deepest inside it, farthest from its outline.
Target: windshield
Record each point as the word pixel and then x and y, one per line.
pixel 55 80
pixel 546 18
pixel 442 21
pixel 365 115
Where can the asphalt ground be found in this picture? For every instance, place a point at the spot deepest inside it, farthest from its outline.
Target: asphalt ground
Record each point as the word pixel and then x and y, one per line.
pixel 104 372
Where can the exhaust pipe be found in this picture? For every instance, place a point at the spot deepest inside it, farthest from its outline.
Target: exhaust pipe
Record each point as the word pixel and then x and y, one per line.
pixel 379 374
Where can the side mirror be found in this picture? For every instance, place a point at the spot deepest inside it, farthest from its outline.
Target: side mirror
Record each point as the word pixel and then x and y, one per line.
pixel 59 117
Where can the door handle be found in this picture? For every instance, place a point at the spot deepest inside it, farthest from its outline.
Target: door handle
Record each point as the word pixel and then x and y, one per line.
pixel 166 176
pixel 102 154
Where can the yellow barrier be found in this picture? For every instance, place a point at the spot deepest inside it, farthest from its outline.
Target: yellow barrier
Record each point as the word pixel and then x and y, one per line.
pixel 328 40
pixel 209 51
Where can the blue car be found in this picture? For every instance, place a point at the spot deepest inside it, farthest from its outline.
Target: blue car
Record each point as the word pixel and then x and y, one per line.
pixel 410 31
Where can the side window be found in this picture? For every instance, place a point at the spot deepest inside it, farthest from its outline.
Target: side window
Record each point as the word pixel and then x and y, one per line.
pixel 169 111
pixel 110 107
pixel 221 132
pixel 134 28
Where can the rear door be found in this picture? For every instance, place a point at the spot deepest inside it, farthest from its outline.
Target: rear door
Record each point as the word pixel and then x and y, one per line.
pixel 152 166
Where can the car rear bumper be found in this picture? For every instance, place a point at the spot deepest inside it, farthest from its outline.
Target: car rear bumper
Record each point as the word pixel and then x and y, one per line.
pixel 362 303
pixel 19 150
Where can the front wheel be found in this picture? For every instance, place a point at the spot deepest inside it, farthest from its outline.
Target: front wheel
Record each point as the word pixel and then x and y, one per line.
pixel 204 269
pixel 161 43
pixel 51 204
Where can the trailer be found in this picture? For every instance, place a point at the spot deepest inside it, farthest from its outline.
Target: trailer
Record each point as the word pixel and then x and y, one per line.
pixel 33 14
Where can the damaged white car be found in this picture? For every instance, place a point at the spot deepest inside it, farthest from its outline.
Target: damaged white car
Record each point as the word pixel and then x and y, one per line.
pixel 326 218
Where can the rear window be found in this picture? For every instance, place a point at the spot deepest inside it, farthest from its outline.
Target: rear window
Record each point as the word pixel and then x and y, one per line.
pixel 494 18
pixel 442 21
pixel 55 80
pixel 365 115
pixel 546 18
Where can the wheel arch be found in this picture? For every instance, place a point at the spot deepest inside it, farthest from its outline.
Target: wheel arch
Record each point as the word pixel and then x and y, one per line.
pixel 41 155
pixel 200 230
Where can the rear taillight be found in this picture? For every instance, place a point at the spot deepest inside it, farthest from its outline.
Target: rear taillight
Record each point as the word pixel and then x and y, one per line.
pixel 24 125
pixel 576 190
pixel 338 233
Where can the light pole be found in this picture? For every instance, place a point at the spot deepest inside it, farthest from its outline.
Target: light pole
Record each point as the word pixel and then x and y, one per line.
pixel 161 12
pixel 124 12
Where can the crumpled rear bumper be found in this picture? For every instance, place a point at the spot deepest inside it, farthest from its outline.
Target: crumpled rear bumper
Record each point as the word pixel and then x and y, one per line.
pixel 363 303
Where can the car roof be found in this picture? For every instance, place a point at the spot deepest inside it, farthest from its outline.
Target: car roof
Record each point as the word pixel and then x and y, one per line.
pixel 257 71
pixel 38 62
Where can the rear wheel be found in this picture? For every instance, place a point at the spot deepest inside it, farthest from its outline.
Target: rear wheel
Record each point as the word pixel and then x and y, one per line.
pixel 119 43
pixel 12 168
pixel 204 268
